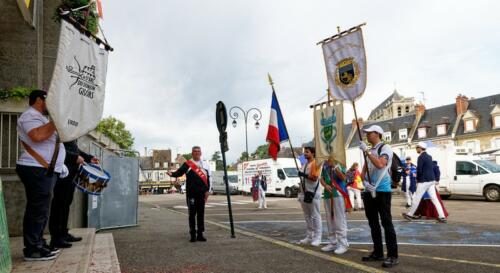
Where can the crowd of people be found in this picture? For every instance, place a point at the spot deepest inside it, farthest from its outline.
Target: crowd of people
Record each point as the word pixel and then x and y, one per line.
pixel 46 168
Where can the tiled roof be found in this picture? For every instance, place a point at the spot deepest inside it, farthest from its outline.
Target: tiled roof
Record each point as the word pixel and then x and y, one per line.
pixel 482 107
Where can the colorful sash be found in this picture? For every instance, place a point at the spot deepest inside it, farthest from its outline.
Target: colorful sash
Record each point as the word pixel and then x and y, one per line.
pixel 339 189
pixel 194 167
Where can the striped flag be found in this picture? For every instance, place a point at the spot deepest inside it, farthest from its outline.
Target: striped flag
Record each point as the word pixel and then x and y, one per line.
pixel 276 133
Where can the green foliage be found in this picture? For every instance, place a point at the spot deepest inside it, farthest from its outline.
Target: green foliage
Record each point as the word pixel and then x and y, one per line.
pixel 218 161
pixel 17 93
pixel 262 152
pixel 244 157
pixel 79 15
pixel 187 156
pixel 115 130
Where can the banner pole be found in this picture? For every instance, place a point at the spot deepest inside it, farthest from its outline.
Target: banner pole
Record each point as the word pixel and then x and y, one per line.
pixel 284 123
pixel 361 139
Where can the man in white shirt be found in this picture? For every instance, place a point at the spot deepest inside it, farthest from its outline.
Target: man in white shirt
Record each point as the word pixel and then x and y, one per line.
pixel 38 138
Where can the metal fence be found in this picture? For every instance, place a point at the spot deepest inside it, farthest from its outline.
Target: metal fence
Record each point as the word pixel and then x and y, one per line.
pixel 9 142
pixel 5 260
pixel 117 205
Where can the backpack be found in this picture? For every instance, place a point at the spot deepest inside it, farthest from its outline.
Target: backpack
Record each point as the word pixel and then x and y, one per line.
pixel 396 168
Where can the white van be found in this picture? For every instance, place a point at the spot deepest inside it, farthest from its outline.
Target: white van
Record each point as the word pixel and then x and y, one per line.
pixel 218 184
pixel 465 174
pixel 281 175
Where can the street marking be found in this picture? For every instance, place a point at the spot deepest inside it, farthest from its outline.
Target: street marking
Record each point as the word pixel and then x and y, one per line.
pixel 424 244
pixel 437 258
pixel 295 247
pixel 257 213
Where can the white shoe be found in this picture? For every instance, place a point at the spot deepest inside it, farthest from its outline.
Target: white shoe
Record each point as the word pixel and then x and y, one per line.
pixel 341 250
pixel 305 241
pixel 316 242
pixel 328 248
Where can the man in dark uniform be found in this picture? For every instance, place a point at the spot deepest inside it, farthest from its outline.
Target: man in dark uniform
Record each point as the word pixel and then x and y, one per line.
pixel 197 190
pixel 63 196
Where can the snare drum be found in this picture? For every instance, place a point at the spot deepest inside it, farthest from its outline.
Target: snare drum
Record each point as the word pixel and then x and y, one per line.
pixel 91 178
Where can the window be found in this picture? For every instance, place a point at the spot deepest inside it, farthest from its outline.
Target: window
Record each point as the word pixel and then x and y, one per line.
pixel 156 176
pixel 496 121
pixel 465 168
pixel 161 176
pixel 399 111
pixel 165 165
pixel 387 136
pixel 472 146
pixel 403 134
pixel 157 164
pixel 441 129
pixel 281 174
pixel 495 143
pixel 149 176
pixel 470 126
pixel 407 109
pixel 422 132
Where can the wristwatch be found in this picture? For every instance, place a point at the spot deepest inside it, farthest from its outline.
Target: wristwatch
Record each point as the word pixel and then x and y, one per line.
pixel 369 152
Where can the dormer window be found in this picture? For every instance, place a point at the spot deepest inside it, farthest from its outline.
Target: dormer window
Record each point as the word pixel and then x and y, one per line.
pixel 403 134
pixel 157 164
pixel 422 132
pixel 496 121
pixel 387 136
pixel 470 125
pixel 495 117
pixel 471 119
pixel 441 129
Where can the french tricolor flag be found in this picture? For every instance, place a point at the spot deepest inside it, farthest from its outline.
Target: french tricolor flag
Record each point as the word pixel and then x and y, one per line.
pixel 276 133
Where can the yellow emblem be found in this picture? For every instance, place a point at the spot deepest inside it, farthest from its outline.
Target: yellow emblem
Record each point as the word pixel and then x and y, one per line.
pixel 347 73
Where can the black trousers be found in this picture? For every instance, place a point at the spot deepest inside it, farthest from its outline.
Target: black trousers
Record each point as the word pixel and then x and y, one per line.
pixel 381 206
pixel 61 202
pixel 38 187
pixel 196 207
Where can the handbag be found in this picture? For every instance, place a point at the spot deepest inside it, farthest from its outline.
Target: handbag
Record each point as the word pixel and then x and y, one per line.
pixel 308 195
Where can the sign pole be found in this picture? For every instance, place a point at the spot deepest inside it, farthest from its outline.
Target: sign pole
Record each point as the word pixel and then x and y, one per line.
pixel 221 119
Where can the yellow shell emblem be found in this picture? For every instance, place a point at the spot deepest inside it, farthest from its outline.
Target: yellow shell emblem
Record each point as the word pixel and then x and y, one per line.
pixel 347 73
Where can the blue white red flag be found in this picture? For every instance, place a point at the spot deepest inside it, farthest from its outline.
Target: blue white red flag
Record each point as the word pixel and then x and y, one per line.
pixel 276 133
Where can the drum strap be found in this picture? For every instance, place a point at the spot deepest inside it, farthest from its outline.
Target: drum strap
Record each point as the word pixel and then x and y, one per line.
pixel 197 170
pixel 35 155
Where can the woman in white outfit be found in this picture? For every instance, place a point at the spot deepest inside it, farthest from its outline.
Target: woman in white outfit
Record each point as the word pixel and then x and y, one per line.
pixel 355 186
pixel 310 199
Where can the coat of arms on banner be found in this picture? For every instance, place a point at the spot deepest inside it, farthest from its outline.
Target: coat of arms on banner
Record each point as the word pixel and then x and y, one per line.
pixel 328 129
pixel 347 73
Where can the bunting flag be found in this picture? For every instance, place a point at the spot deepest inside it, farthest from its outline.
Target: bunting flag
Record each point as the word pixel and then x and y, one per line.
pixel 276 133
pixel 345 62
pixel 75 100
pixel 329 131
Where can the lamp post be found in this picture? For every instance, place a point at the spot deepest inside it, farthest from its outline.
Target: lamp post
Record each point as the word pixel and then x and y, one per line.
pixel 233 113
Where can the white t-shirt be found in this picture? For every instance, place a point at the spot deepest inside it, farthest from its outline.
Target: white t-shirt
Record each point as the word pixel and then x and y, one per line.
pixel 310 185
pixel 28 121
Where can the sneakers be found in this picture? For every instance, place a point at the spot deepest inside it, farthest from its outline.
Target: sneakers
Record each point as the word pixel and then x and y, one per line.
pixel 305 241
pixel 408 217
pixel 40 254
pixel 200 238
pixel 329 247
pixel 372 258
pixel 316 242
pixel 390 262
pixel 442 220
pixel 341 250
pixel 59 243
pixel 52 249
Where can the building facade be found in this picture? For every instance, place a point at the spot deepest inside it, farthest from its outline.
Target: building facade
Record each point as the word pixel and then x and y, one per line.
pixel 394 106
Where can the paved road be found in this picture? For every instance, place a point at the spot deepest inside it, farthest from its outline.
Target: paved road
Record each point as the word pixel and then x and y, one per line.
pixel 265 239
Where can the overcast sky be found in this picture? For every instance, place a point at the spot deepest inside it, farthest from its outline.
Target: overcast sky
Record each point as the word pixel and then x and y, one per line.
pixel 174 60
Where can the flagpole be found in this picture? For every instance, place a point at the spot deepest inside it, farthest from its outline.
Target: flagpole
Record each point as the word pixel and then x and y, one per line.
pixel 361 139
pixel 284 123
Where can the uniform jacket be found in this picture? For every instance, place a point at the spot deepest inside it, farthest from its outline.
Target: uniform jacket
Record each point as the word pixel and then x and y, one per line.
pixel 194 184
pixel 72 153
pixel 413 179
pixel 425 172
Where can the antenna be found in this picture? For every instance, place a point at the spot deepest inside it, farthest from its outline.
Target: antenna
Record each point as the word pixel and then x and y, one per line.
pixel 423 96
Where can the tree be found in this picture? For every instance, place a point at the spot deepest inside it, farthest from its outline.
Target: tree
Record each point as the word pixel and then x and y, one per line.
pixel 218 161
pixel 261 152
pixel 115 130
pixel 244 156
pixel 187 156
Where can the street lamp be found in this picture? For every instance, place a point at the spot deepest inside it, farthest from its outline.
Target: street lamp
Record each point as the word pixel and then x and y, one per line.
pixel 233 113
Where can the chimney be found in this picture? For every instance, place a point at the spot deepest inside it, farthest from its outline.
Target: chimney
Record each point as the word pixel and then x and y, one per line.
pixel 420 109
pixel 461 104
pixel 145 151
pixel 360 122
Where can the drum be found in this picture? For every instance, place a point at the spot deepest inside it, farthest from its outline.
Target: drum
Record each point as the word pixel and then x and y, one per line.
pixel 91 178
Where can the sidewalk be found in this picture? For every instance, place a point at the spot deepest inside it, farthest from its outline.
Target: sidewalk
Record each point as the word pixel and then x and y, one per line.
pixel 95 253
